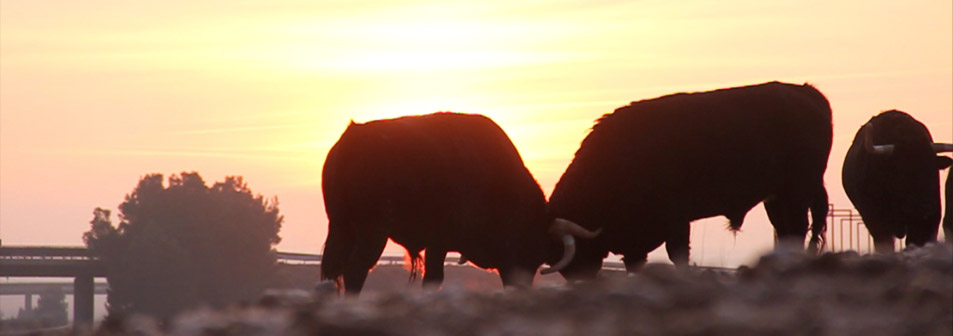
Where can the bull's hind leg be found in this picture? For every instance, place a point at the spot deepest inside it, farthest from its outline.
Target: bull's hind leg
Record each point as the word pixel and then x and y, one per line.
pixel 364 255
pixel 433 268
pixel 948 219
pixel 788 214
pixel 337 251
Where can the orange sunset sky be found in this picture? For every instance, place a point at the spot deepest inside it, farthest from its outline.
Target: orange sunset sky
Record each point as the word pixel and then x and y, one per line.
pixel 95 94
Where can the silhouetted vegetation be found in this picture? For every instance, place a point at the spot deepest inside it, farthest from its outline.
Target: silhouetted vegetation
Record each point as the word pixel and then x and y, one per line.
pixel 186 245
pixel 50 311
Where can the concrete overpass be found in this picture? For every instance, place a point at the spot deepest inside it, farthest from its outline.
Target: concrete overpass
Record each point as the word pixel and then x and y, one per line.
pixel 51 261
pixel 28 289
pixel 76 262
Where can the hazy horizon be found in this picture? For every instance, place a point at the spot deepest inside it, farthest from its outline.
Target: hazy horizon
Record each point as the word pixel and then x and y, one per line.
pixel 95 95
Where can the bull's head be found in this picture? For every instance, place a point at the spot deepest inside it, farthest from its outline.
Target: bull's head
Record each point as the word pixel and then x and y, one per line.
pixel 567 231
pixel 909 173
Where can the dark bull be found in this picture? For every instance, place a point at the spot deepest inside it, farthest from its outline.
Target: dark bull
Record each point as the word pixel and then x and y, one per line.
pixel 648 169
pixel 438 182
pixel 891 175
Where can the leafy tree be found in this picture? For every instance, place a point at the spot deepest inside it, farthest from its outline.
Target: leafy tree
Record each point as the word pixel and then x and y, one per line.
pixel 50 311
pixel 186 245
pixel 51 308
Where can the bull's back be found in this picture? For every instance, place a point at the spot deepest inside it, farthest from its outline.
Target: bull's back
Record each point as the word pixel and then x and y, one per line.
pixel 437 175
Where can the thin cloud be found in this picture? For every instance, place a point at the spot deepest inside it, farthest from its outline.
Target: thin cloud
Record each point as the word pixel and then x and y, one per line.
pixel 247 128
pixel 290 153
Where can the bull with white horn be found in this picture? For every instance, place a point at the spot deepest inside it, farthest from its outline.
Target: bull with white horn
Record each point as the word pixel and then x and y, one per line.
pixel 891 176
pixel 443 182
pixel 647 170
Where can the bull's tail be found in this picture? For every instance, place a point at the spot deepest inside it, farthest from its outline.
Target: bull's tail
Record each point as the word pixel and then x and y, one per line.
pixel 819 208
pixel 415 264
pixel 948 217
pixel 336 254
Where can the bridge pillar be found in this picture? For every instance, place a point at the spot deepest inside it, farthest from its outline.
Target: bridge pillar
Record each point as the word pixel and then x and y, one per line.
pixel 28 302
pixel 83 302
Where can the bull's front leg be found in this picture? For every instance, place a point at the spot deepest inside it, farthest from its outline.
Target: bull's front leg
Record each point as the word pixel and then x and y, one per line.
pixel 677 243
pixel 518 277
pixel 634 262
pixel 433 268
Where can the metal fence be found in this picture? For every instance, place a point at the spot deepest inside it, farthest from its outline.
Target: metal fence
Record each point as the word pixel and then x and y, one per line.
pixel 846 231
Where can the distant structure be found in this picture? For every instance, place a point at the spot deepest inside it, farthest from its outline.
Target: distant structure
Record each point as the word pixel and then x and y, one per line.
pixel 50 261
pixel 76 262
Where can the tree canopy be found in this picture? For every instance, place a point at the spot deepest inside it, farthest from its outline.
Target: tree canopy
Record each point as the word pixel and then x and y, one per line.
pixel 186 245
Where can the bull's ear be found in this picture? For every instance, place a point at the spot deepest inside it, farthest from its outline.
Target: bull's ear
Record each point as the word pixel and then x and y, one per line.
pixel 943 162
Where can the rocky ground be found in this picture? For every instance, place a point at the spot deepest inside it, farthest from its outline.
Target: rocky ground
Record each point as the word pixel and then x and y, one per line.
pixel 786 293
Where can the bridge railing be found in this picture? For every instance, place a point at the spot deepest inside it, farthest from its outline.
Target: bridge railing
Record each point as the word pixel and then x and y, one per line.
pixel 53 256
pixel 27 288
pixel 72 253
pixel 44 252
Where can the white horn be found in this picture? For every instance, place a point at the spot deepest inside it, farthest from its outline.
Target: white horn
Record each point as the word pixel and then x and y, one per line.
pixel 561 226
pixel 565 230
pixel 869 142
pixel 569 250
pixel 942 147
